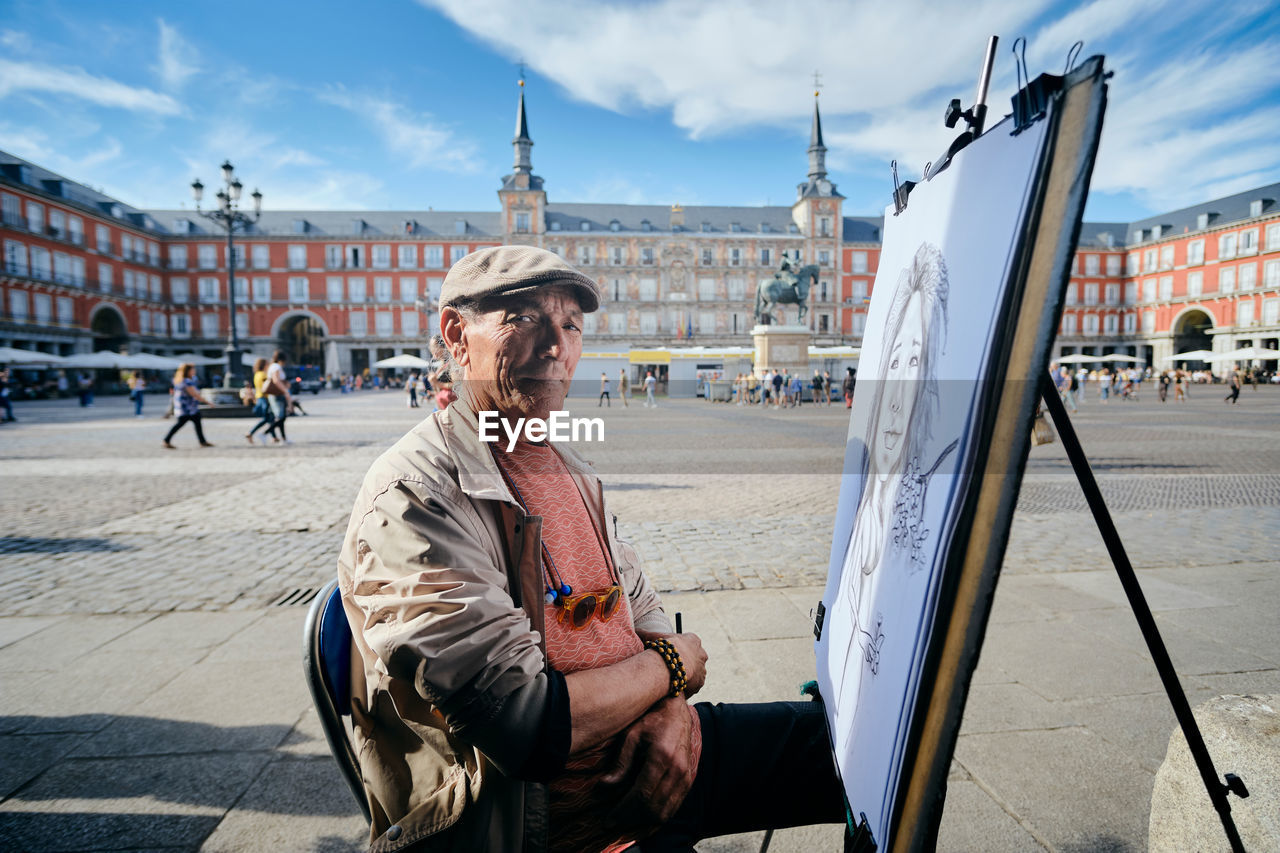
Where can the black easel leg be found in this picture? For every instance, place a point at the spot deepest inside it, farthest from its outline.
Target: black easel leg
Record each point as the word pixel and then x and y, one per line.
pixel 1181 708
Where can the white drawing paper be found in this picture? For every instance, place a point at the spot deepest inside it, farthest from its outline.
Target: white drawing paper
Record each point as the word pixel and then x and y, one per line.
pixel 943 269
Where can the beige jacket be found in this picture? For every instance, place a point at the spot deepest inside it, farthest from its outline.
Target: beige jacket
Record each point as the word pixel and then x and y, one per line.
pixel 442 584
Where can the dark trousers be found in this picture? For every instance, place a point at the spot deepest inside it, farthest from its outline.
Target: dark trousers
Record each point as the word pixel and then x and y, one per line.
pixel 182 419
pixel 763 766
pixel 269 421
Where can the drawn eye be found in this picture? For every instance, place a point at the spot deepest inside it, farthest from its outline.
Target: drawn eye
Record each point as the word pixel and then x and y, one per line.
pixel 915 361
pixel 893 365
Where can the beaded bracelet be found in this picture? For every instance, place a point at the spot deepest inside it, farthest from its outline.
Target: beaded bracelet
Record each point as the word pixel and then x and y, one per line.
pixel 671 657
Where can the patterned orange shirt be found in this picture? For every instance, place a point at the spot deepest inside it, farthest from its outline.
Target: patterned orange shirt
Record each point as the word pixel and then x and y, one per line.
pixel 579 552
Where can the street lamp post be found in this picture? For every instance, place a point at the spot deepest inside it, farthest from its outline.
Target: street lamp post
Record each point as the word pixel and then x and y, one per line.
pixel 228 215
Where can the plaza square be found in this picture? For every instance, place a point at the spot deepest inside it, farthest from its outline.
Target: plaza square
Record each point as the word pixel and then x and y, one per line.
pixel 151 632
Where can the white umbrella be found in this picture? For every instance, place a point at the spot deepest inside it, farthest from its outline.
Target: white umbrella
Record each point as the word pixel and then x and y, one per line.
pixel 1191 355
pixel 198 360
pixel 151 361
pixel 28 358
pixel 405 361
pixel 1246 354
pixel 1079 359
pixel 101 360
pixel 1115 356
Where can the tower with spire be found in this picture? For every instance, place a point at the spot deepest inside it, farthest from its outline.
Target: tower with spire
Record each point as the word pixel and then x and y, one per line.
pixel 524 202
pixel 817 212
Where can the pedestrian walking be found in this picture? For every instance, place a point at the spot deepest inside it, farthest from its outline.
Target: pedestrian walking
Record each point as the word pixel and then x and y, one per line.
pixel 797 390
pixel 1179 387
pixel 84 384
pixel 1073 387
pixel 4 397
pixel 1233 383
pixel 816 385
pixel 1164 387
pixel 278 396
pixel 261 407
pixel 779 382
pixel 411 385
pixel 604 391
pixel 624 387
pixel 826 382
pixel 1082 384
pixel 850 380
pixel 649 384
pixel 186 401
pixel 137 388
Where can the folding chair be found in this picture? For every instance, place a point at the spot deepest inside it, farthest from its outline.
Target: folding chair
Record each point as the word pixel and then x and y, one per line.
pixel 326 656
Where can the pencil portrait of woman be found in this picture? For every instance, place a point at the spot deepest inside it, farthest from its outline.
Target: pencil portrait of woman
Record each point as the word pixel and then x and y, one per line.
pixel 888 528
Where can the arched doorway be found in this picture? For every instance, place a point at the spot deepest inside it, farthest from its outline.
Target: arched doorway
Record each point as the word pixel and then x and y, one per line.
pixel 302 339
pixel 1191 331
pixel 108 328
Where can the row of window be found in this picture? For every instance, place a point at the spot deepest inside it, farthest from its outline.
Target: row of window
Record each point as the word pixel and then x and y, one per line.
pixel 618 256
pixel 39 307
pixel 1092 264
pixel 1232 245
pixel 337 289
pixel 523 223
pixel 258 256
pixel 1089 324
pixel 1230 279
pixel 67 226
pixel 736 290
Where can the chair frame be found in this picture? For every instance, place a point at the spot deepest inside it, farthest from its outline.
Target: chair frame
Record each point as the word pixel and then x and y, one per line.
pixel 330 708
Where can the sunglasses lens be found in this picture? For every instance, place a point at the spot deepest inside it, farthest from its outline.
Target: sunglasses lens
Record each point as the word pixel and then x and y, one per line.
pixel 610 605
pixel 583 609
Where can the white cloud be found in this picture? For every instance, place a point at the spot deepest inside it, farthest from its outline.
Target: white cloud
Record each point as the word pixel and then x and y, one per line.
pixel 34 144
pixel 418 139
pixel 176 59
pixel 15 40
pixel 1192 101
pixel 78 83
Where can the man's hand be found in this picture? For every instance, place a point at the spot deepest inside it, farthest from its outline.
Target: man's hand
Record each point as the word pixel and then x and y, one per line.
pixel 692 655
pixel 655 768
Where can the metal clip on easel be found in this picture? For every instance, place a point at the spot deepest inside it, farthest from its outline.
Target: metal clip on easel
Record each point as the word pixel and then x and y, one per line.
pixel 975 117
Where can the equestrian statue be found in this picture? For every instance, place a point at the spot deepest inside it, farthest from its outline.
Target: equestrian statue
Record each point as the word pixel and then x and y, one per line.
pixel 790 284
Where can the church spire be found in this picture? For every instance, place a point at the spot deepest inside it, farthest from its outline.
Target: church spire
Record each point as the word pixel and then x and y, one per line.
pixel 522 143
pixel 817 150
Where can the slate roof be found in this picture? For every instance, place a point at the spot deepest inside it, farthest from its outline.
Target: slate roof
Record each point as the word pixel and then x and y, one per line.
pixel 630 217
pixel 1232 208
pixel 476 225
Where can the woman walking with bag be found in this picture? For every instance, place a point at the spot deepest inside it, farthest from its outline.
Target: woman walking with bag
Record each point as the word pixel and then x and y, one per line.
pixel 261 408
pixel 186 401
pixel 278 396
pixel 137 387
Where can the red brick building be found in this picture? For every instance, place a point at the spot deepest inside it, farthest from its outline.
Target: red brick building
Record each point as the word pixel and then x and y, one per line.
pixel 83 271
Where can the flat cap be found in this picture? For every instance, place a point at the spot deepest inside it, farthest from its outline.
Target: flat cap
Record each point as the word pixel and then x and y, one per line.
pixel 514 269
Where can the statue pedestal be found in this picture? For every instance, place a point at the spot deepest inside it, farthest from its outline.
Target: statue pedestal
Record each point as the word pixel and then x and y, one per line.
pixel 782 348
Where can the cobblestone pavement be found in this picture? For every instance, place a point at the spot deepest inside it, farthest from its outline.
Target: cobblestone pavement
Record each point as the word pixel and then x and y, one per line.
pixel 133 573
pixel 99 519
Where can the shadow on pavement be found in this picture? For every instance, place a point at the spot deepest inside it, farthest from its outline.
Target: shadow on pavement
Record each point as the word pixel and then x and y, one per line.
pixel 42 545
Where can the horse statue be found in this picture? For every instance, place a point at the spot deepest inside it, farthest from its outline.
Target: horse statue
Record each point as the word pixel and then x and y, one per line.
pixel 788 285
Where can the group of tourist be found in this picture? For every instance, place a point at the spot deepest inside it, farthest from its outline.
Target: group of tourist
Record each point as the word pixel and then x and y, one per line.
pixel 1126 383
pixel 784 389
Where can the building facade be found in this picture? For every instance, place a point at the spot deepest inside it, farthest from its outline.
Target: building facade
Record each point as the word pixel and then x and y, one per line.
pixel 340 290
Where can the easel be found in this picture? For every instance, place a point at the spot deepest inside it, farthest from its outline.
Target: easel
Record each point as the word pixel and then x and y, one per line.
pixel 1030 104
pixel 1218 790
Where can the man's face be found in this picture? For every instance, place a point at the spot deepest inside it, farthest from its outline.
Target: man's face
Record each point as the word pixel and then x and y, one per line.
pixel 520 357
pixel 902 383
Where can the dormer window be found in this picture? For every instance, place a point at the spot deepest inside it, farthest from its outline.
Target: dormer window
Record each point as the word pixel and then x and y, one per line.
pixel 615 225
pixel 586 226
pixel 1255 207
pixel 645 226
pixel 299 226
pixel 1202 221
pixel 706 226
pixel 764 227
pixel 555 225
pixel 357 226
pixel 735 227
pixel 459 226
pixel 793 228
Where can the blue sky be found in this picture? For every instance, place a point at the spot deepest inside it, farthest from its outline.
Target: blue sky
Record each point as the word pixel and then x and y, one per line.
pixel 397 104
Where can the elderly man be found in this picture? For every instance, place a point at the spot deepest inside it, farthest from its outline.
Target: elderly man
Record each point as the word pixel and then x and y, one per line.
pixel 522 688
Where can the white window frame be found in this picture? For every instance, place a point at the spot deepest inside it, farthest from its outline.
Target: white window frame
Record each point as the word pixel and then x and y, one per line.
pixel 456 253
pixel 380 256
pixel 409 289
pixel 1247 276
pixel 261 289
pixel 1195 252
pixel 432 257
pixel 359 323
pixel 1227 280
pixel 409 324
pixel 384 324
pixel 382 291
pixel 179 290
pixel 299 288
pixel 858 262
pixel 407 256
pixel 1195 284
pixel 206 256
pixel 297 256
pixel 261 256
pixel 357 289
pixel 333 289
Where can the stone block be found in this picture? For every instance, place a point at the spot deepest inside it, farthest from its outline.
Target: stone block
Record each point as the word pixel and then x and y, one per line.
pixel 1242 734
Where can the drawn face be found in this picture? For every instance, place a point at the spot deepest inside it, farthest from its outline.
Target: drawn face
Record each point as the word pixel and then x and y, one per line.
pixel 902 386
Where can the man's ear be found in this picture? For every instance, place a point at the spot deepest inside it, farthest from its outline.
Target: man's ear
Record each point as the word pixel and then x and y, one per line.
pixel 451 327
